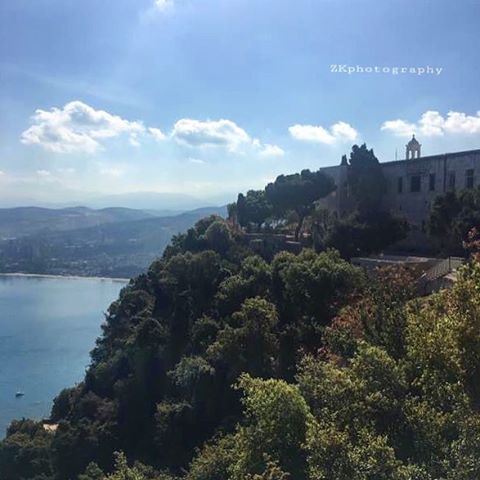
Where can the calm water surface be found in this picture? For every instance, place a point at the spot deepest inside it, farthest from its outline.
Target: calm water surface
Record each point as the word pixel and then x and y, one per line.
pixel 47 328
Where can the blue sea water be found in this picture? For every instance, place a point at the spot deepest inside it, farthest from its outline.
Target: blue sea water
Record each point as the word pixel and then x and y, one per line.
pixel 47 328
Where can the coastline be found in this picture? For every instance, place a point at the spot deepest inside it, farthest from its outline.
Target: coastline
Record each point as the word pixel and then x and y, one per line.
pixel 64 277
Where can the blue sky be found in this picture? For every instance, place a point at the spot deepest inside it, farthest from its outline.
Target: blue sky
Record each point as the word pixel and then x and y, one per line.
pixel 212 97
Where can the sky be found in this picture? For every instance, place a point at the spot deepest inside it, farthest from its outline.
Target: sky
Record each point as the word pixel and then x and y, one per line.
pixel 208 98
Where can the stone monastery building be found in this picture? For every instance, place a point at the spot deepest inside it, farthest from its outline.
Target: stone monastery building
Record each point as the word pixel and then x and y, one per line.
pixel 413 183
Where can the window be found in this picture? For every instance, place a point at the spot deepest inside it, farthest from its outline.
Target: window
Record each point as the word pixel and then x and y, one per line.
pixel 400 185
pixel 415 183
pixel 451 180
pixel 469 178
pixel 431 182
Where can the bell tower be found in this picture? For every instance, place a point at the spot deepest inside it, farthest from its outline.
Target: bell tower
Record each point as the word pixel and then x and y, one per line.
pixel 413 149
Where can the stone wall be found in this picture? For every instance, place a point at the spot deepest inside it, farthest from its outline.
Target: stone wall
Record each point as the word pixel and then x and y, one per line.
pixel 434 176
pixel 422 180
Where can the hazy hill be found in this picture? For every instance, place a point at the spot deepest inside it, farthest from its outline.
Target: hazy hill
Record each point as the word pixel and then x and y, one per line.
pixel 111 248
pixel 22 221
pixel 218 364
pixel 152 201
pixel 144 233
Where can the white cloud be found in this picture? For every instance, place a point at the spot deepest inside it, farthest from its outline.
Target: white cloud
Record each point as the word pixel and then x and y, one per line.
pixel 44 173
pixel 196 133
pixel 197 161
pixel 344 132
pixel 338 132
pixel 311 133
pixel 400 128
pixel 220 133
pixel 157 134
pixel 272 151
pixel 432 123
pixel 77 127
pixel 133 140
pixel 112 171
pixel 163 5
pixel 457 122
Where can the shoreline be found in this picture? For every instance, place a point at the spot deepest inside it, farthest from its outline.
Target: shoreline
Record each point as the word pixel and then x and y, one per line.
pixel 64 277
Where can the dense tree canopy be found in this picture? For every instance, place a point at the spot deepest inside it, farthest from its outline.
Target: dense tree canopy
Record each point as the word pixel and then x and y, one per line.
pixel 253 208
pixel 221 364
pixel 365 228
pixel 452 216
pixel 174 345
pixel 298 192
pixel 401 402
pixel 292 204
pixel 218 364
pixel 356 234
pixel 365 179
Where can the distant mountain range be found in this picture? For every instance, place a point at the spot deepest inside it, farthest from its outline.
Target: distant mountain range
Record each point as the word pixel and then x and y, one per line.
pixel 110 242
pixel 22 221
pixel 163 203
pixel 175 202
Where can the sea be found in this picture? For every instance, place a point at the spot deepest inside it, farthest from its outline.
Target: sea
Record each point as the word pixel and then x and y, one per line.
pixel 48 326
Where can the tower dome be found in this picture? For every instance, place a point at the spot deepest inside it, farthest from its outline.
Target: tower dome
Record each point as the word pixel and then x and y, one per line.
pixel 413 148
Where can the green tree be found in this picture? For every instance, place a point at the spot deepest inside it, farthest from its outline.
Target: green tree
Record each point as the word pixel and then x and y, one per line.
pixel 253 280
pixel 26 452
pixel 298 192
pixel 218 236
pixel 276 418
pixel 309 287
pixel 249 343
pixel 452 216
pixel 253 208
pixel 382 385
pixel 214 460
pixel 123 471
pixel 358 234
pixel 92 472
pixel 365 179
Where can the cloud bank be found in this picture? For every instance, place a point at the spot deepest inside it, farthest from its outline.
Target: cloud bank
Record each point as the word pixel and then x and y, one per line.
pixel 163 5
pixel 338 132
pixel 195 133
pixel 433 124
pixel 79 128
pixel 221 133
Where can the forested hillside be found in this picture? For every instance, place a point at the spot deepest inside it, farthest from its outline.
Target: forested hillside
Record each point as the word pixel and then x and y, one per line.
pixel 218 364
pixel 226 361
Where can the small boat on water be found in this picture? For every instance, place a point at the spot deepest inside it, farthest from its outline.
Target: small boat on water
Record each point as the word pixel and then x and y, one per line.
pixel 19 394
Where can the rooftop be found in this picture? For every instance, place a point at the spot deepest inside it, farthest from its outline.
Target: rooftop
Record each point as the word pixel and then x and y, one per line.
pixel 431 157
